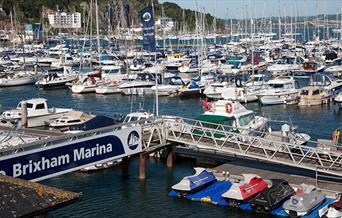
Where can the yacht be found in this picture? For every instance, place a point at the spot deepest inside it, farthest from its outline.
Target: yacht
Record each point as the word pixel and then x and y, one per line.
pixel 169 86
pixel 214 90
pixel 308 68
pixel 338 99
pixel 232 114
pixel 109 88
pixel 87 84
pixel 19 78
pixel 241 94
pixel 314 95
pixel 286 64
pixel 54 79
pixel 38 113
pixel 137 65
pixel 281 90
pixel 140 85
pixel 335 67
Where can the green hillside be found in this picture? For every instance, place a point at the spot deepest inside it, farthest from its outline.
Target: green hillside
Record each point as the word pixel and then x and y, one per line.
pixel 31 10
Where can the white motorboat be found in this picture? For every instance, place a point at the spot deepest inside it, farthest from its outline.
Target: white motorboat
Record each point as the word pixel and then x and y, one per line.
pixel 71 118
pixel 137 65
pixel 38 113
pixel 18 78
pixel 241 94
pixel 101 166
pixel 169 86
pixel 333 210
pixel 335 67
pixel 281 90
pixel 338 99
pixel 233 114
pixel 109 88
pixel 141 85
pixel 57 80
pixel 88 84
pixel 286 64
pixel 214 90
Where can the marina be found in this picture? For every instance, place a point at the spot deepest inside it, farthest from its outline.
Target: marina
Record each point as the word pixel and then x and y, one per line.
pixel 130 109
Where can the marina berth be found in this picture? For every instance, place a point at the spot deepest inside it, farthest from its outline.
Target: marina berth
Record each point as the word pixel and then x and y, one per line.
pixel 242 109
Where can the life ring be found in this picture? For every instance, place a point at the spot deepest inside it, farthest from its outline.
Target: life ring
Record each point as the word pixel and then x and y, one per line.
pixel 229 108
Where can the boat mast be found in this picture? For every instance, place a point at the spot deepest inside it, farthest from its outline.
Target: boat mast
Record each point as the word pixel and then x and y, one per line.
pixel 155 63
pixel 279 21
pixel 98 31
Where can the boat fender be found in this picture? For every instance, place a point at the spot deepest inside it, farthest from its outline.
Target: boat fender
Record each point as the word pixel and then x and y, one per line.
pixel 229 108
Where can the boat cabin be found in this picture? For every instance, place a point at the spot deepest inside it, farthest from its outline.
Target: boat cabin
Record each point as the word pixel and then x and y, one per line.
pixel 35 107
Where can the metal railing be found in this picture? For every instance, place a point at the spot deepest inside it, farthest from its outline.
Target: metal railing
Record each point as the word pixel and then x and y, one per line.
pixel 253 144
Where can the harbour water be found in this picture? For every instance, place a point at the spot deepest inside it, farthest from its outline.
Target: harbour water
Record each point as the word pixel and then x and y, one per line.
pixel 107 194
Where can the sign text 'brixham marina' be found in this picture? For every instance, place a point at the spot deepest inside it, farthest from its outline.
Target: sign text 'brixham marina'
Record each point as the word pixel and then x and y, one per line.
pixel 20 169
pixel 42 163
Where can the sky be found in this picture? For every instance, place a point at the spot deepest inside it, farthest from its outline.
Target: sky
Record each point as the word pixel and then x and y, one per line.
pixel 261 8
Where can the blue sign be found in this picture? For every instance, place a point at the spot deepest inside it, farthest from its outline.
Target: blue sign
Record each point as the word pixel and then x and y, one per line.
pixel 147 19
pixel 58 159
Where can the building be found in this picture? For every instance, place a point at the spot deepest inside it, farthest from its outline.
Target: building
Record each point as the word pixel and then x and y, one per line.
pixel 34 32
pixel 165 23
pixel 65 20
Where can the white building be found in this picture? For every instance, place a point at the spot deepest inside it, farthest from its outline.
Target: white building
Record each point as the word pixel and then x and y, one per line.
pixel 165 23
pixel 65 20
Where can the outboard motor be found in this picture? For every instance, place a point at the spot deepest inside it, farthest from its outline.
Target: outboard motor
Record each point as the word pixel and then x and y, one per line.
pixel 285 130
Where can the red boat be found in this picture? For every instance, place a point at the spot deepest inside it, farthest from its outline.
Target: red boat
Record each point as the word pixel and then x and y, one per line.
pixel 240 191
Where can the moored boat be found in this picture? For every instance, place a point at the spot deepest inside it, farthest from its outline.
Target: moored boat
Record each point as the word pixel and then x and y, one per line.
pixel 190 184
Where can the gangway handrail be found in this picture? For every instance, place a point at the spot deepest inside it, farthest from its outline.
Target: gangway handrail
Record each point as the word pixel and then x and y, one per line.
pixel 250 131
pixel 70 137
pixel 268 150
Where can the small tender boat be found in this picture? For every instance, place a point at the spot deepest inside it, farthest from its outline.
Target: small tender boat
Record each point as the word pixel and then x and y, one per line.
pixel 272 197
pixel 101 166
pixel 71 118
pixel 240 191
pixel 190 184
pixel 306 199
pixel 333 210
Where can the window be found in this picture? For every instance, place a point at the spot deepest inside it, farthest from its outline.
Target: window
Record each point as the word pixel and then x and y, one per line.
pixel 29 105
pixel 315 92
pixel 40 106
pixel 304 92
pixel 74 121
pixel 244 120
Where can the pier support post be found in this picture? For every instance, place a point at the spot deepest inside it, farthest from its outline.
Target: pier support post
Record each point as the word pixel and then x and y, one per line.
pixel 125 167
pixel 169 156
pixel 23 114
pixel 142 166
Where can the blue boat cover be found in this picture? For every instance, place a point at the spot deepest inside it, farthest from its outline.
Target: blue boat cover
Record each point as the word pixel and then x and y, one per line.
pixel 94 123
pixel 211 194
pixel 201 179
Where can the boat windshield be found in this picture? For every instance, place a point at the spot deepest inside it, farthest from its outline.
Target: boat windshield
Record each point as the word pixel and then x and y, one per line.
pixel 276 86
pixel 246 119
pixel 305 92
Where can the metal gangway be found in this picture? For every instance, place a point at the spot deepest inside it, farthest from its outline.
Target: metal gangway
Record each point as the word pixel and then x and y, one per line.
pixel 251 144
